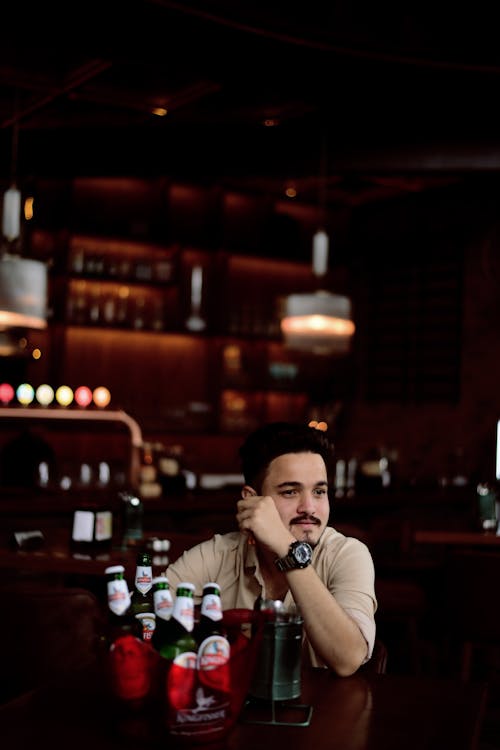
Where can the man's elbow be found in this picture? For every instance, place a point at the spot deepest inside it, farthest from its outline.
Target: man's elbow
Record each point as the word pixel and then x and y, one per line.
pixel 347 669
pixel 348 664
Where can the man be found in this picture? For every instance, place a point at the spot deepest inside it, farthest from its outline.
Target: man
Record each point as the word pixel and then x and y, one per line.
pixel 285 550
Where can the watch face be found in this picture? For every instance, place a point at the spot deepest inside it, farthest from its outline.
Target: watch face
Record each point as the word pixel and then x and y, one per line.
pixel 302 552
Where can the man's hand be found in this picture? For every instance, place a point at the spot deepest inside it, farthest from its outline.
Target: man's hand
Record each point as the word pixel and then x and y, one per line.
pixel 257 515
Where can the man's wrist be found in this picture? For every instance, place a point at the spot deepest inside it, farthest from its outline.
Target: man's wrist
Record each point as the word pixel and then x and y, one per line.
pixel 299 556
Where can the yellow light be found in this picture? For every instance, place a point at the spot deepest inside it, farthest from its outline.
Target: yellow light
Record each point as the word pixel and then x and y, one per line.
pixel 159 111
pixel 28 208
pixel 101 396
pixel 64 395
pixel 25 394
pixel 36 353
pixel 313 324
pixel 44 394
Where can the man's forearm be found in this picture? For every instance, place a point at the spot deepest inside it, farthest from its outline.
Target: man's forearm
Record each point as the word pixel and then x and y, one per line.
pixel 335 637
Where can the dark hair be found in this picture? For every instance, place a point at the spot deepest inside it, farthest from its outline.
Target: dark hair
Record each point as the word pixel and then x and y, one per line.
pixel 275 439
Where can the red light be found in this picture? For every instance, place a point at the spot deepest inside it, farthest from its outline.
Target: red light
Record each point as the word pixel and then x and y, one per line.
pixel 83 396
pixel 6 393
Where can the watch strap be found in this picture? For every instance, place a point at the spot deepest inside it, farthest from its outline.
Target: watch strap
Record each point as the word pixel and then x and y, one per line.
pixel 285 563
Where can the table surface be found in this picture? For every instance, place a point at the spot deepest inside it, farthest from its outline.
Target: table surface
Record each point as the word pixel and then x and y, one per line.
pixel 362 712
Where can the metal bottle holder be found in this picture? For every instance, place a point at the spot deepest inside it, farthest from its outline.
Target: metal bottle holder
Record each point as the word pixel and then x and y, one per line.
pixel 276 681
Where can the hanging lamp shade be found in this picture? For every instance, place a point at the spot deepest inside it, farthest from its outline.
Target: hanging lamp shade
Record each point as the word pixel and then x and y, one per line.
pixel 318 322
pixel 23 293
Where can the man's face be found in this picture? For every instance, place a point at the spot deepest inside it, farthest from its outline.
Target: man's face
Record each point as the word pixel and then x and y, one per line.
pixel 298 484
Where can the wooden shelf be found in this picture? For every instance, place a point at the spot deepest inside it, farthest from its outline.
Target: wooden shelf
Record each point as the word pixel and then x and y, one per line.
pixel 85 417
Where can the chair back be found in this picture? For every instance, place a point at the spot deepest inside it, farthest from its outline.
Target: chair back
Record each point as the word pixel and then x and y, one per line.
pixel 378 662
pixel 46 632
pixel 470 606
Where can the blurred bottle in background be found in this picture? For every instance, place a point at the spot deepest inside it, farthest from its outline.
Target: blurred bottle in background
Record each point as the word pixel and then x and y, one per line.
pixel 132 515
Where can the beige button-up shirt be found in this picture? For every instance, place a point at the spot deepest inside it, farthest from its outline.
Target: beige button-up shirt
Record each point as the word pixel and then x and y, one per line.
pixel 344 564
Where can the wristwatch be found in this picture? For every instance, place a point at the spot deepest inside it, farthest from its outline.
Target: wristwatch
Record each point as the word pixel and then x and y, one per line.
pixel 299 556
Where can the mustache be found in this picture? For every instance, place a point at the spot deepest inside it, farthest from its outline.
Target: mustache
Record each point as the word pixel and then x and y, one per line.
pixel 306 517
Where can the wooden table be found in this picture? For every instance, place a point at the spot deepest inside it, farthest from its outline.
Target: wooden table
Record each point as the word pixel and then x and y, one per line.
pixel 363 712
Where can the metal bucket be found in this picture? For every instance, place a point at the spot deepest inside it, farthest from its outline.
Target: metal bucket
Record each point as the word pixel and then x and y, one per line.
pixel 277 673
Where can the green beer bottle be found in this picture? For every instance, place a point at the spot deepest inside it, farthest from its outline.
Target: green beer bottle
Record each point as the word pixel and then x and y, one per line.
pixel 175 636
pixel 213 645
pixel 128 660
pixel 142 598
pixel 163 602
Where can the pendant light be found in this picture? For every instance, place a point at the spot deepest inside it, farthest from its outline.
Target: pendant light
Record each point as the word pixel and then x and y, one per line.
pixel 23 281
pixel 318 322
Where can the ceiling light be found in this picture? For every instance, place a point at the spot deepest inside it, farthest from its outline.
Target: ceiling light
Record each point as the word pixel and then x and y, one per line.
pixel 318 322
pixel 23 293
pixel 159 111
pixel 23 282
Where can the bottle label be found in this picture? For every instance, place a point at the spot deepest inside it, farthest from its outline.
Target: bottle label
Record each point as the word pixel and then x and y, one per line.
pixel 143 578
pixel 184 612
pixel 118 596
pixel 186 660
pixel 83 526
pixel 213 664
pixel 148 621
pixel 211 607
pixel 163 603
pixel 103 525
pixel 213 652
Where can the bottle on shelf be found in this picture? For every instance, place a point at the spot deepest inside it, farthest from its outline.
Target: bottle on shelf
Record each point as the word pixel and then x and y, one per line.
pixel 175 639
pixel 92 529
pixel 142 596
pixel 132 513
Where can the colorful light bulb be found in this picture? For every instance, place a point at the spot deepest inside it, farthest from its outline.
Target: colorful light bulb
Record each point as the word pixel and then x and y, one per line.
pixel 6 393
pixel 101 396
pixel 25 394
pixel 64 395
pixel 44 394
pixel 83 396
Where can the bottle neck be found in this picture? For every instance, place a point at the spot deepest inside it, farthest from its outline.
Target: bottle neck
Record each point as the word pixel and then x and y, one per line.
pixel 183 611
pixel 211 607
pixel 143 578
pixel 118 596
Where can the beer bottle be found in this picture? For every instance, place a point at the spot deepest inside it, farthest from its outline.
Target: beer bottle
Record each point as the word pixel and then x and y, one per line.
pixel 163 602
pixel 175 636
pixel 121 620
pixel 210 613
pixel 142 598
pixel 128 659
pixel 213 645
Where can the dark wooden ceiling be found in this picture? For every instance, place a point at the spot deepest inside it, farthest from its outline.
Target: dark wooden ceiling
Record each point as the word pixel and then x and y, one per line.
pixel 403 98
